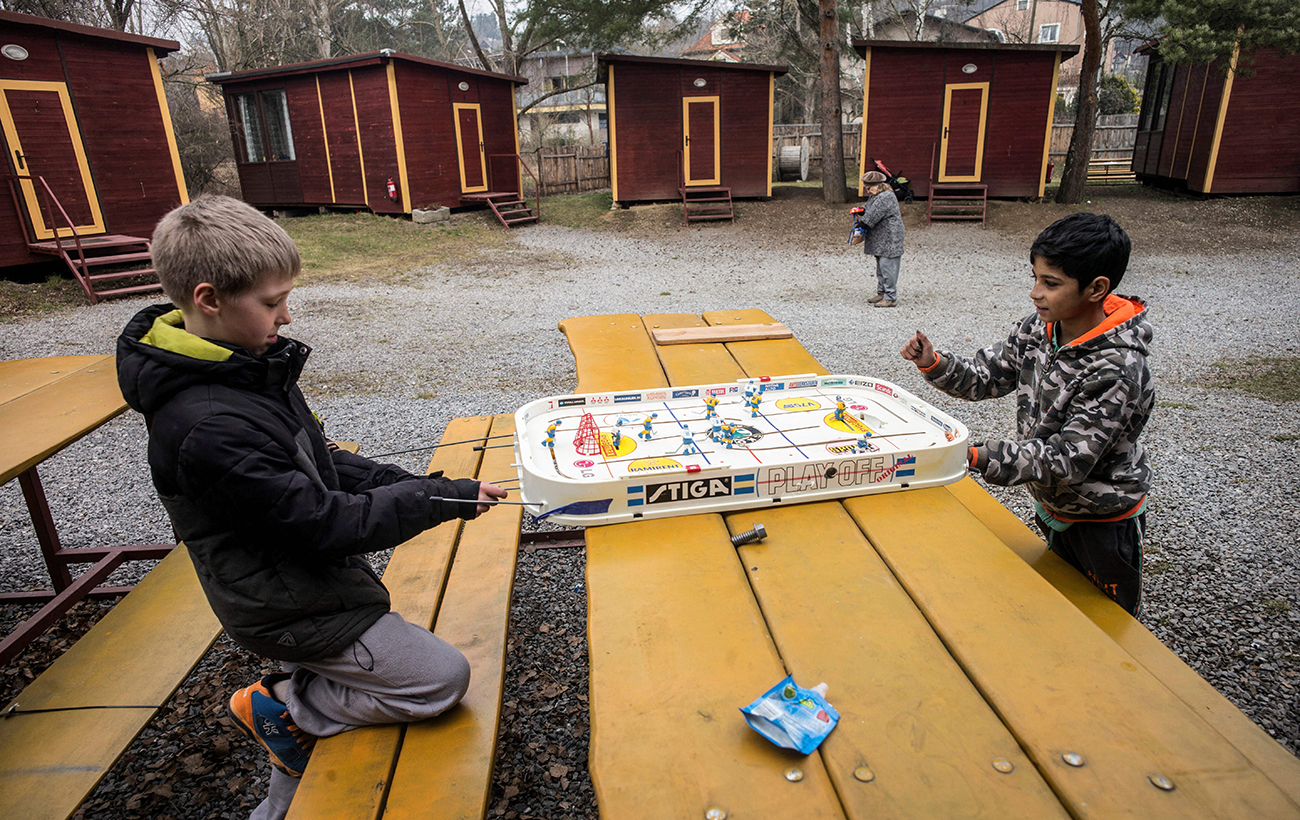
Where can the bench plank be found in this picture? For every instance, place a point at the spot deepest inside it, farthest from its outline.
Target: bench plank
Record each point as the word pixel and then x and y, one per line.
pixel 18 377
pixel 719 333
pixel 445 770
pixel 1265 753
pixel 694 363
pixel 349 774
pixel 678 645
pixel 614 352
pixel 1058 682
pixel 52 760
pixel 38 424
pixel 907 711
pixel 774 357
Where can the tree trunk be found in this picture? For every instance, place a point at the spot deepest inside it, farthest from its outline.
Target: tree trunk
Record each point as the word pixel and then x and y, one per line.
pixel 833 189
pixel 1075 176
pixel 324 31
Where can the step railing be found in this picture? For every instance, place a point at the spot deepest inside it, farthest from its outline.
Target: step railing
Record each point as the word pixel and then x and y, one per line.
pixel 47 198
pixel 537 183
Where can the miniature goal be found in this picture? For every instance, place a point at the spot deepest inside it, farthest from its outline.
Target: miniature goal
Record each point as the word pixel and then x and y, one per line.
pixel 587 441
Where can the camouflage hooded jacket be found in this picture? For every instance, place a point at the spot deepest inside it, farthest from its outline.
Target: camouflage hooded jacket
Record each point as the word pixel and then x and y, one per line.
pixel 1079 411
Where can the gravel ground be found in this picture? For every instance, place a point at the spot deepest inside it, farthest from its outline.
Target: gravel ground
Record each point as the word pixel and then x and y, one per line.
pixel 393 364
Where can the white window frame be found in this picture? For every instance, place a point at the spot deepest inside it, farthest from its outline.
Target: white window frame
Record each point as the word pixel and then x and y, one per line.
pixel 1055 29
pixel 1022 5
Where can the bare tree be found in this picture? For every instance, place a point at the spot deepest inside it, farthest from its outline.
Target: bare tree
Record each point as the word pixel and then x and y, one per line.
pixel 833 189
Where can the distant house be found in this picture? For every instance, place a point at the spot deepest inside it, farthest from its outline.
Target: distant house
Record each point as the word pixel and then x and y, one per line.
pixel 572 116
pixel 1037 21
pixel 717 43
pixel 902 25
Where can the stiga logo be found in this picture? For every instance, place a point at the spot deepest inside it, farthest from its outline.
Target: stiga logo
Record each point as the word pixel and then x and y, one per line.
pixel 687 490
pixel 626 397
pixel 572 402
pixel 685 394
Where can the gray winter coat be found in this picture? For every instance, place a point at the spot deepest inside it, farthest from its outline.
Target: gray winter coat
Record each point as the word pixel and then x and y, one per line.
pixel 884 226
pixel 1079 411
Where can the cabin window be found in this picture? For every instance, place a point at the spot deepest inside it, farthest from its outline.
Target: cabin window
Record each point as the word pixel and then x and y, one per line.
pixel 263 126
pixel 568 118
pixel 1049 32
pixel 1166 91
pixel 1022 5
pixel 275 105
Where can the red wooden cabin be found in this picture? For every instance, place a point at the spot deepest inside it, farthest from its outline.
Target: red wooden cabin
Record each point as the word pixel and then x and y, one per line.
pixel 89 149
pixel 384 131
pixel 983 111
pixel 677 125
pixel 1209 131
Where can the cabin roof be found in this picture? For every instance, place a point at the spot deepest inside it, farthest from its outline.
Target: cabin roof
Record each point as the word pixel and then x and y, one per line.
pixel 351 61
pixel 861 46
pixel 159 45
pixel 606 59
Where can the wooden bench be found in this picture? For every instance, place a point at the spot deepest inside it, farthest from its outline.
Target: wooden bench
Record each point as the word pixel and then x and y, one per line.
pixel 928 716
pixel 456 579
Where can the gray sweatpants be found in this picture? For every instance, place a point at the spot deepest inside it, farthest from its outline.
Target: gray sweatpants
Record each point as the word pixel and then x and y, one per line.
pixel 887 276
pixel 396 672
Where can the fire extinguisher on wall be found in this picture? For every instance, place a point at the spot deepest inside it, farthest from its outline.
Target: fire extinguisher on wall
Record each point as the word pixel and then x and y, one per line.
pixel 1051 165
pixel 392 189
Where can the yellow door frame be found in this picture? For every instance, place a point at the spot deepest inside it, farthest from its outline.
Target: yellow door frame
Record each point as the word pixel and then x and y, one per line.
pixel 456 108
pixel 41 230
pixel 686 141
pixel 979 144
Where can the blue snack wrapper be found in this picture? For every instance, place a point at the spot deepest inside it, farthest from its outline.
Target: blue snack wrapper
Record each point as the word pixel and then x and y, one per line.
pixel 792 717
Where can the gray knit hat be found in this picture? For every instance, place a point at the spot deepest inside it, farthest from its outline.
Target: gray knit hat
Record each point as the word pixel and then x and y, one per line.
pixel 872 178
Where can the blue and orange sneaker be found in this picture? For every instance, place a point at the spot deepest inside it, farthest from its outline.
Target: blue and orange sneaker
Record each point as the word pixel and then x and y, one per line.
pixel 257 713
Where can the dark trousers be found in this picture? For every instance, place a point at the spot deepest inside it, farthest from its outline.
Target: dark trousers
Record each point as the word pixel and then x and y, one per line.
pixel 1107 553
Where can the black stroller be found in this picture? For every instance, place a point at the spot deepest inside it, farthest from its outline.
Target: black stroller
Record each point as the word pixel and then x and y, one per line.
pixel 900 185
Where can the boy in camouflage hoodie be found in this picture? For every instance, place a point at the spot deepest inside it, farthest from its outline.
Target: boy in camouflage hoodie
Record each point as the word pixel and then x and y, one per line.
pixel 1083 394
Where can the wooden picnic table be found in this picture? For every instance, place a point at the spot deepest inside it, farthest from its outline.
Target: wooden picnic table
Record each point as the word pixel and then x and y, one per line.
pixel 976 674
pixel 45 405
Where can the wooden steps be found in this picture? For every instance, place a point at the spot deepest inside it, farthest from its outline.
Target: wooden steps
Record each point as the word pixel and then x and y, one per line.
pixel 707 204
pixel 83 255
pixel 510 207
pixel 954 200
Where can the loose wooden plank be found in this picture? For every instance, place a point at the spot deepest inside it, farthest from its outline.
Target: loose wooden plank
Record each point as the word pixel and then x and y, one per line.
pixel 614 352
pixel 445 769
pixel 136 655
pixel 44 421
pixel 19 377
pixel 907 711
pixel 692 363
pixel 1058 682
pixel 720 333
pixel 774 357
pixel 677 646
pixel 1265 753
pixel 350 773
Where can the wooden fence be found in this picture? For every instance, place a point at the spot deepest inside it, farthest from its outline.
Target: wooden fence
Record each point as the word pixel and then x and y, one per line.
pixel 793 134
pixel 1113 139
pixel 572 169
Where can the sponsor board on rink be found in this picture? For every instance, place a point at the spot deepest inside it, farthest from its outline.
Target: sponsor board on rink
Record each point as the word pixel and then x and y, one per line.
pixel 572 401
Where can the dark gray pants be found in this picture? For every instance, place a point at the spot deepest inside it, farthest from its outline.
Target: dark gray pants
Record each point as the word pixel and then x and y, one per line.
pixel 396 672
pixel 1109 554
pixel 887 276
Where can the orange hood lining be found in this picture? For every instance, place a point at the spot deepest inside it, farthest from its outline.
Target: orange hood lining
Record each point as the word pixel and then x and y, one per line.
pixel 1119 309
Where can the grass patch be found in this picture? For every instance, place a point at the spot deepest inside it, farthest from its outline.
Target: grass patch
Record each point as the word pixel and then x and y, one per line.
pixel 1286 436
pixel 1274 379
pixel 22 300
pixel 1276 606
pixel 589 210
pixel 1173 405
pixel 1157 567
pixel 356 247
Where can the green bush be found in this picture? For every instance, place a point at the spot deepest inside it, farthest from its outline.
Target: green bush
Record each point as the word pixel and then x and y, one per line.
pixel 1116 96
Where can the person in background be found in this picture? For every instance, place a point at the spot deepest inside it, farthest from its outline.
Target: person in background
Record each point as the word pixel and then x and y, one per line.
pixel 884 227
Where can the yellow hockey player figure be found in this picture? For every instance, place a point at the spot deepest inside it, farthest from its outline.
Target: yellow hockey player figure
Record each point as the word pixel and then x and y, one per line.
pixel 840 407
pixel 646 426
pixel 550 433
pixel 710 406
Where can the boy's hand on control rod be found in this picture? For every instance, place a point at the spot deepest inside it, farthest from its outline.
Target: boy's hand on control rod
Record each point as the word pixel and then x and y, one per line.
pixel 488 492
pixel 919 351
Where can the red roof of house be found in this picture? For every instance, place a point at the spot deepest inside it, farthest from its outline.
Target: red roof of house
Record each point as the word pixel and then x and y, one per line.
pixel 163 46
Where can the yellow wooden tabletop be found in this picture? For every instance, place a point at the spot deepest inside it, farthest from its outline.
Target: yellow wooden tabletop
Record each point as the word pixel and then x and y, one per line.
pixel 969 665
pixel 46 404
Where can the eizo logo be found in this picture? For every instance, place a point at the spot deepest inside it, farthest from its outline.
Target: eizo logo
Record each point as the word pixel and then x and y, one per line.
pixel 687 490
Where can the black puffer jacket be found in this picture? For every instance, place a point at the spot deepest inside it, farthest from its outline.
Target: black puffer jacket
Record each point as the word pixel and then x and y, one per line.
pixel 273 519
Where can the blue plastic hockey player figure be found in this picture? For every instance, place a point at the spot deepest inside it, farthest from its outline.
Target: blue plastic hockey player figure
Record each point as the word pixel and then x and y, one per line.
pixel 688 442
